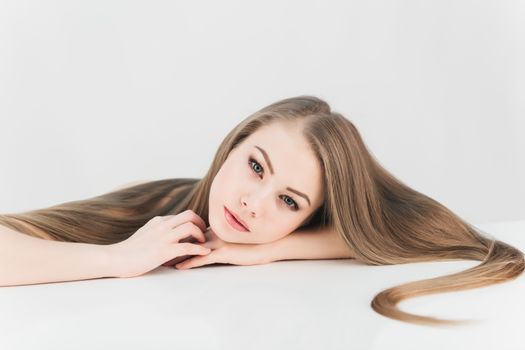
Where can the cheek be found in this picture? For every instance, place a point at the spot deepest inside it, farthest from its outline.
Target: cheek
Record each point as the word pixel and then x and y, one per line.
pixel 220 182
pixel 216 196
pixel 231 180
pixel 228 180
pixel 276 229
pixel 222 190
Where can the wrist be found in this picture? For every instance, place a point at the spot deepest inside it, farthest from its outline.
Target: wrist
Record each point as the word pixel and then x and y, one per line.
pixel 269 252
pixel 113 260
pixel 263 252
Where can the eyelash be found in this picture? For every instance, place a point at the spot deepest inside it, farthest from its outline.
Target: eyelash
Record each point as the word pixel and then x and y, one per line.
pixel 250 162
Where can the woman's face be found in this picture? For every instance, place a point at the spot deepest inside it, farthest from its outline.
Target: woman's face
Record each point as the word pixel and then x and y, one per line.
pixel 263 181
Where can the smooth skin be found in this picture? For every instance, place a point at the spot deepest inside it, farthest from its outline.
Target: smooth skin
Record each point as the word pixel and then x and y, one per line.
pixel 159 241
pixel 223 252
pixel 257 185
pixel 253 184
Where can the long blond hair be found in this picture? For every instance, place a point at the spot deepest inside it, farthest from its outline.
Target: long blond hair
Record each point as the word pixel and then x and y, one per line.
pixel 381 219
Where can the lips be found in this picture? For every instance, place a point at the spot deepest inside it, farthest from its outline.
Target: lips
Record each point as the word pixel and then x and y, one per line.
pixel 239 221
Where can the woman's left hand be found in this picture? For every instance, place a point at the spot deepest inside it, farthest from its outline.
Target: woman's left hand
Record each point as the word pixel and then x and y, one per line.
pixel 225 253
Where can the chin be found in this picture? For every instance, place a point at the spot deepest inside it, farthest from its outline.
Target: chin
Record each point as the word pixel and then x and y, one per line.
pixel 219 230
pixel 231 236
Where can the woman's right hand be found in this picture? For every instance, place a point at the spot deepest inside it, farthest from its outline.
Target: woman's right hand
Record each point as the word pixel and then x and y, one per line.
pixel 158 242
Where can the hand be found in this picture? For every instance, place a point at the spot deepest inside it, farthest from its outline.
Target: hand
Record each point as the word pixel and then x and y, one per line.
pixel 225 253
pixel 157 242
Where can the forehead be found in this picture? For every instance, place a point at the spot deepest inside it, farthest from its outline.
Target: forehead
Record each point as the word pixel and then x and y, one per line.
pixel 279 134
pixel 293 162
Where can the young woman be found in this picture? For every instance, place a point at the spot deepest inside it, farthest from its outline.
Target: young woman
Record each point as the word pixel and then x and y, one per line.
pixel 294 166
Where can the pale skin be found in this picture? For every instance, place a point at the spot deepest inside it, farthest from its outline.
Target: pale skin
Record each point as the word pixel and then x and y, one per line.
pixel 260 181
pixel 271 181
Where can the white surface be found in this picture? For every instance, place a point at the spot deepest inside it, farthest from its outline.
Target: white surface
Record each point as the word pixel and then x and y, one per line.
pixel 314 304
pixel 96 94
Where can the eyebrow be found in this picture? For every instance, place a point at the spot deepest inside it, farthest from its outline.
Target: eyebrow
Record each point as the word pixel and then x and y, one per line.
pixel 267 159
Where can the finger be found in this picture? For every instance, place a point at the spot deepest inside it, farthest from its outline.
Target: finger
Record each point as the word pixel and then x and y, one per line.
pixel 177 260
pixel 185 216
pixel 195 262
pixel 186 230
pixel 206 244
pixel 191 249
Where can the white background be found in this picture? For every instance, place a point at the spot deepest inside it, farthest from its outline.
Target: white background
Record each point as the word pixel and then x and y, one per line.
pixel 97 94
pixel 285 305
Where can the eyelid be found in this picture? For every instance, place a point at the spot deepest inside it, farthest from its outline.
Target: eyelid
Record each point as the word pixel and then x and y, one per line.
pixel 251 159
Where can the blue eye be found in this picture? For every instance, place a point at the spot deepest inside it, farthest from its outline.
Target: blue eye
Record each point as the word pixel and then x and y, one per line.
pixel 252 161
pixel 292 204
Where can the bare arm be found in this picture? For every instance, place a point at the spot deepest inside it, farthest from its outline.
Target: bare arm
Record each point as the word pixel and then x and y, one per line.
pixel 299 245
pixel 302 244
pixel 29 260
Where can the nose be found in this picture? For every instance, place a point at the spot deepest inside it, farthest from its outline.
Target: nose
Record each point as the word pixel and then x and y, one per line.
pixel 251 212
pixel 255 202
